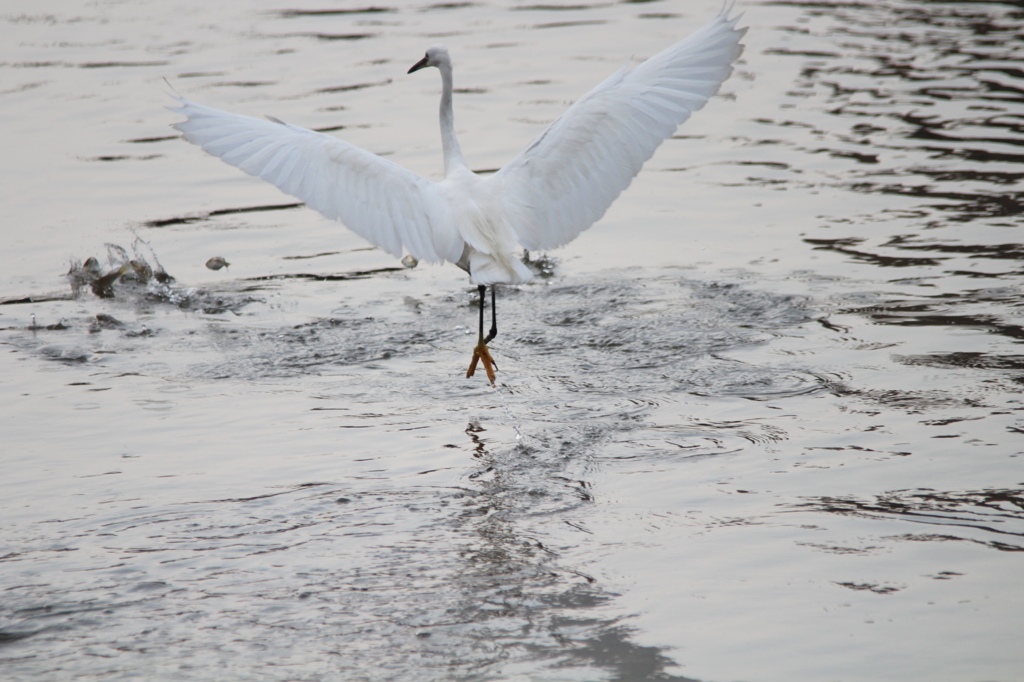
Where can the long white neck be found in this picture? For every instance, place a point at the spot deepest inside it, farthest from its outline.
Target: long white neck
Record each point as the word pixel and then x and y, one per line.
pixel 449 144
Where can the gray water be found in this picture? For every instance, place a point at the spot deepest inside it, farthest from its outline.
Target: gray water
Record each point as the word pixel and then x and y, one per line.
pixel 762 422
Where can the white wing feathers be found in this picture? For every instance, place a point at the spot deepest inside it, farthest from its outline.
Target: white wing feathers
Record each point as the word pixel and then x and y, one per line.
pixel 389 206
pixel 556 188
pixel 569 176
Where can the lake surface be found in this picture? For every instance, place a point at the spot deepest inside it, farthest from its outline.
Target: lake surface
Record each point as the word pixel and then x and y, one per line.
pixel 762 422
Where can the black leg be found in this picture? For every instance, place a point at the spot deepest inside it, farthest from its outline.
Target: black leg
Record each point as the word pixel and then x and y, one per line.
pixel 494 319
pixel 480 353
pixel 482 289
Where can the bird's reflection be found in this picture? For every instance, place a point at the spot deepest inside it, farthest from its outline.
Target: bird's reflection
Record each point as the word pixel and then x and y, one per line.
pixel 519 599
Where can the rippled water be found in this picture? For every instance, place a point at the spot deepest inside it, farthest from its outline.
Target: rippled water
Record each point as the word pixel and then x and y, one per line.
pixel 762 422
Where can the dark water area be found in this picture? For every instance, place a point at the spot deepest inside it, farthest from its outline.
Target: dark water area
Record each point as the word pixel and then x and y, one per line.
pixel 762 422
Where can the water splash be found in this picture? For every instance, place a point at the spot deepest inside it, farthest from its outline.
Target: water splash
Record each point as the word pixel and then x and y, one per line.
pixel 512 419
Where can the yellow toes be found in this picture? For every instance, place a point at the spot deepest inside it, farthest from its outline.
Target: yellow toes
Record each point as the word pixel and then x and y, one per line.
pixel 482 354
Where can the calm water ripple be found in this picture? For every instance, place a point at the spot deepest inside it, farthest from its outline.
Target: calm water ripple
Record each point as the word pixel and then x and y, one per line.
pixel 762 422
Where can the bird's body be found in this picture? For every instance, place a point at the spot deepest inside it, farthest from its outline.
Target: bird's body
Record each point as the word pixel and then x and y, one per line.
pixel 561 184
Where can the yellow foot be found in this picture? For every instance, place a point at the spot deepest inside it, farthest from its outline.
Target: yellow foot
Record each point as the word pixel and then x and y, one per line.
pixel 481 354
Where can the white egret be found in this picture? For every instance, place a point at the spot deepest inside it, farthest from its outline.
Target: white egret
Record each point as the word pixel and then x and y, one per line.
pixel 557 187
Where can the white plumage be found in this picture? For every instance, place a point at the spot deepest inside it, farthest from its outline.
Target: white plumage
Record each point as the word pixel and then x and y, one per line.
pixel 557 187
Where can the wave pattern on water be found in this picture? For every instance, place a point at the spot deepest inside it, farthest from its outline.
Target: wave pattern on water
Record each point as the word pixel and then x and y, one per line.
pixel 924 99
pixel 993 518
pixel 284 474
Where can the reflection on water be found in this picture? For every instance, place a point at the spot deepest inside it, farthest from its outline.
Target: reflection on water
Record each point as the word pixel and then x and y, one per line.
pixel 478 570
pixel 925 100
pixel 790 455
pixel 994 518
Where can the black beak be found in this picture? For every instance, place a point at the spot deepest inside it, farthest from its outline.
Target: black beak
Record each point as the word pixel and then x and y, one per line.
pixel 418 65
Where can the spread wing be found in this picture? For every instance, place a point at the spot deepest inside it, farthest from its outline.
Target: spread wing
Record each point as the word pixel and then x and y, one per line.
pixel 386 204
pixel 569 176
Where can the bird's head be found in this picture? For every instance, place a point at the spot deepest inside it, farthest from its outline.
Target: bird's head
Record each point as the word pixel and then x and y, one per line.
pixel 435 56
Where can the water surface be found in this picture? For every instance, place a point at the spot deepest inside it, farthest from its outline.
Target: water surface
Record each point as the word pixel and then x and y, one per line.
pixel 762 422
